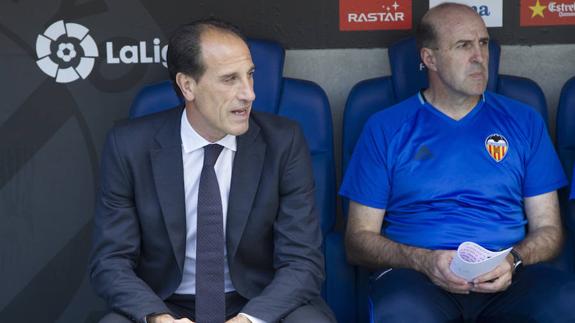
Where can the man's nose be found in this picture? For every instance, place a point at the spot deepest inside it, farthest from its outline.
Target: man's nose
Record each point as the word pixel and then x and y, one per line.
pixel 247 91
pixel 480 53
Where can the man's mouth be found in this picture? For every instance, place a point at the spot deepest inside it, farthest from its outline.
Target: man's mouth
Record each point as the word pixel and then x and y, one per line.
pixel 477 75
pixel 240 112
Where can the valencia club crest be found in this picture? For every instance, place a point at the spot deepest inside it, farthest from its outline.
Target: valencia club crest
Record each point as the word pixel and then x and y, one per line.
pixel 497 146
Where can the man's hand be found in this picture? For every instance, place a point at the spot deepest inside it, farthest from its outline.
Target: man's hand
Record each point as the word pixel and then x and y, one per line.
pixel 436 267
pixel 166 318
pixel 239 319
pixel 496 280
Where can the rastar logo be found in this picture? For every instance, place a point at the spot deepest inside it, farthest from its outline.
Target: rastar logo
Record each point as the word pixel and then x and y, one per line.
pixel 547 13
pixel 67 52
pixel 374 14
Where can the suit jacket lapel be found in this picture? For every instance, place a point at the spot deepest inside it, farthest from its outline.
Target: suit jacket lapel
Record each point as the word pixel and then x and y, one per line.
pixel 246 172
pixel 168 171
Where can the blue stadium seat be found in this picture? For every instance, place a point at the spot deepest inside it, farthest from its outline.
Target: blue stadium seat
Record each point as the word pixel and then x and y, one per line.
pixel 409 75
pixel 299 100
pixel 565 131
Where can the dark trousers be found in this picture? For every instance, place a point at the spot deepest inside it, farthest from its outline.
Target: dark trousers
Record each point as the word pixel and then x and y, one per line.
pixel 183 306
pixel 315 311
pixel 538 293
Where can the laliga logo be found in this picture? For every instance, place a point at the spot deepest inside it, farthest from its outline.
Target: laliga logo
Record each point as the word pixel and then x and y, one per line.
pixel 66 52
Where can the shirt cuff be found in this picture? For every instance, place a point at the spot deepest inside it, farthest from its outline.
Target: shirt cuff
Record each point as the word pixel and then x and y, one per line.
pixel 152 314
pixel 252 319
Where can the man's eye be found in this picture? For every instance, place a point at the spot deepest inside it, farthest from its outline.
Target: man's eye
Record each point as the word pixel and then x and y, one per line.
pixel 465 45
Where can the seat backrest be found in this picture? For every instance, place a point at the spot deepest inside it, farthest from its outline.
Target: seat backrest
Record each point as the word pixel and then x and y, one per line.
pixel 408 76
pixel 565 131
pixel 565 128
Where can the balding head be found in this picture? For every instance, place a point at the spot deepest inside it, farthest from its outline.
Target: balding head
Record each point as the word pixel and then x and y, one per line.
pixel 436 20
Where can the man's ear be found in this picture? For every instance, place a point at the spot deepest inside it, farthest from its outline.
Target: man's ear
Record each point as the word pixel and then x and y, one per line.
pixel 428 58
pixel 187 85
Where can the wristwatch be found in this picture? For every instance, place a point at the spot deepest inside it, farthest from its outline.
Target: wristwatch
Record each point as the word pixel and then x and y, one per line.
pixel 517 261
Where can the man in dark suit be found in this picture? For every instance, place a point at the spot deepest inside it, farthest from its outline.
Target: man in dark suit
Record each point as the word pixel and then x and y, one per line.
pixel 155 222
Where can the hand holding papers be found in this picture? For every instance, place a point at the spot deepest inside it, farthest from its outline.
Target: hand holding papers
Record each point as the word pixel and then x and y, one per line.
pixel 472 260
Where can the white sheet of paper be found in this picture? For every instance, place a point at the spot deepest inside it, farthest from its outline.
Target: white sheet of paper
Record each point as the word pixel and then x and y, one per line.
pixel 472 260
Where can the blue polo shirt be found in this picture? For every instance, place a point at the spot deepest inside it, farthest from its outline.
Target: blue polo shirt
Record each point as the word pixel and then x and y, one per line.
pixel 443 182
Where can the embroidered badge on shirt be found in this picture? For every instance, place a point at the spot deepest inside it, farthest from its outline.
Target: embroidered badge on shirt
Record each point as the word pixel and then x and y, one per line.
pixel 497 146
pixel 423 153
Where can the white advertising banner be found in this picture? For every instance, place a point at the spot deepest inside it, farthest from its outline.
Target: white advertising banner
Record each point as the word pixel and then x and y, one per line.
pixel 490 10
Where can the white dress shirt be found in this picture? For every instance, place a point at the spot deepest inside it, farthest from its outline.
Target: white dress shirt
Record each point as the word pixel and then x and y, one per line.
pixel 193 161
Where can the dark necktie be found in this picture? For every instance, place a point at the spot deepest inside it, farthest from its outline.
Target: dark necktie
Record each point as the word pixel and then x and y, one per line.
pixel 210 294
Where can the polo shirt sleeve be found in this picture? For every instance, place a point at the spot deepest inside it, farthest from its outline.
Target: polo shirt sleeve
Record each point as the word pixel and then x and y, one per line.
pixel 366 180
pixel 543 172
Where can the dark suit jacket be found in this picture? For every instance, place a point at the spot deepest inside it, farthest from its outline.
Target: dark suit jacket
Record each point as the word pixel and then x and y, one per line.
pixel 273 237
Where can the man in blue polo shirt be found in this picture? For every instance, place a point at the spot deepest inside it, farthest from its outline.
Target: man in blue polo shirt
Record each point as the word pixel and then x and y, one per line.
pixel 453 164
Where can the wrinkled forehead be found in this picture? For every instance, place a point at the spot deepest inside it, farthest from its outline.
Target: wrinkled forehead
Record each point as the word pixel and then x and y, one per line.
pixel 455 25
pixel 222 47
pixel 216 39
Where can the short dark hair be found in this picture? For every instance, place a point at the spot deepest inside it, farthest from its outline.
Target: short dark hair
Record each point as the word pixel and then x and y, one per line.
pixel 426 34
pixel 185 49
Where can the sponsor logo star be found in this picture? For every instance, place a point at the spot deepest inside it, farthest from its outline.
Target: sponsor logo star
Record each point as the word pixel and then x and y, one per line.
pixel 537 10
pixel 394 5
